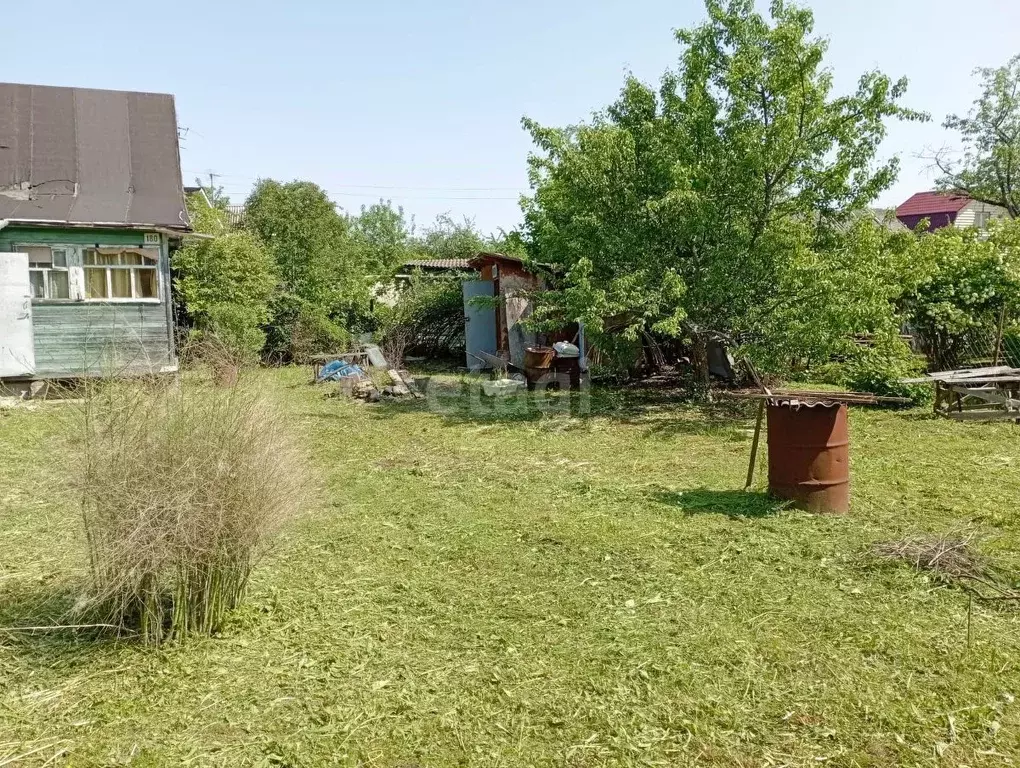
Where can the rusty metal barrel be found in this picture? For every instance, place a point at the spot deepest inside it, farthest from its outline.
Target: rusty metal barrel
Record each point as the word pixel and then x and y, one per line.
pixel 809 454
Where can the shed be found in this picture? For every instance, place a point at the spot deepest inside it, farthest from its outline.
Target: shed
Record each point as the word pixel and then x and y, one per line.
pixel 90 201
pixel 498 329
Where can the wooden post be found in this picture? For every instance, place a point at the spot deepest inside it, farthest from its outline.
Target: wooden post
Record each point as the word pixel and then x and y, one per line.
pixel 998 335
pixel 754 445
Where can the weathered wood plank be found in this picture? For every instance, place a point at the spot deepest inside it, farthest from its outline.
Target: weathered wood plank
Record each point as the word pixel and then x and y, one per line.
pixel 78 339
pixel 983 415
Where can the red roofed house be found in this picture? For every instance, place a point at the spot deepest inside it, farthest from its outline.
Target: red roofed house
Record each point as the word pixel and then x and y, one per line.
pixel 947 210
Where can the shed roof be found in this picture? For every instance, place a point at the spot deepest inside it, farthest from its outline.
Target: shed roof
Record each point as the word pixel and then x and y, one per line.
pixel 925 203
pixel 488 257
pixel 437 264
pixel 86 156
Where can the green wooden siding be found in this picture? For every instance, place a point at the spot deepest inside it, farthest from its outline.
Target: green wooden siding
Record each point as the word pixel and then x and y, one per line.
pixel 74 339
pixel 92 337
pixel 10 236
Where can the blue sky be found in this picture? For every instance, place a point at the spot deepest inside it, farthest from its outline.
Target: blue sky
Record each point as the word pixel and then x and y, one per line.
pixel 420 102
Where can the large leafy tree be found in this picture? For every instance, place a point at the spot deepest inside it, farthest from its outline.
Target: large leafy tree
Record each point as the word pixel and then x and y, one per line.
pixel 989 169
pixel 448 238
pixel 225 283
pixel 385 237
pixel 703 204
pixel 324 290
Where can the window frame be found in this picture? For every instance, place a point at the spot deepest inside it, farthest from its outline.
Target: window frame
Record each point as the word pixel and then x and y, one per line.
pixel 45 271
pixel 131 269
pixel 75 260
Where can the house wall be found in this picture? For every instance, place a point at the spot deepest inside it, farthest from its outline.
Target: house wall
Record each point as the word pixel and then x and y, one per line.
pixel 75 338
pixel 967 217
pixel 935 220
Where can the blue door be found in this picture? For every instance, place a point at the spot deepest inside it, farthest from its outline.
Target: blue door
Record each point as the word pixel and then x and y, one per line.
pixel 479 322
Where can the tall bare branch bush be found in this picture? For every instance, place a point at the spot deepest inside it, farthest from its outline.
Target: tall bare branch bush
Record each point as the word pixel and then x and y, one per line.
pixel 182 490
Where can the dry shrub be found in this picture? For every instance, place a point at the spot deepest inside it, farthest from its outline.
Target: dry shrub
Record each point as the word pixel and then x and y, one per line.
pixel 394 345
pixel 950 557
pixel 223 360
pixel 182 490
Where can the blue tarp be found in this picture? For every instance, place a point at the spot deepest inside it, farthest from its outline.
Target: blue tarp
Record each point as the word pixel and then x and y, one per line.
pixel 339 369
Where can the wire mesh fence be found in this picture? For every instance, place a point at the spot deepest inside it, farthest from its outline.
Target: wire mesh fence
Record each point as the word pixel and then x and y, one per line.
pixel 991 340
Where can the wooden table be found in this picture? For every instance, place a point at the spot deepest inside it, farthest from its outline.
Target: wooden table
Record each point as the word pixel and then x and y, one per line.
pixel 976 394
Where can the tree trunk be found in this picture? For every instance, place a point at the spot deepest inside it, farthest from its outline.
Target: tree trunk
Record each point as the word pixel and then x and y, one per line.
pixel 699 360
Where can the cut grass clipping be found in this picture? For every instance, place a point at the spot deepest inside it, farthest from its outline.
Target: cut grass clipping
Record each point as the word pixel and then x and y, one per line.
pixel 951 558
pixel 954 561
pixel 181 489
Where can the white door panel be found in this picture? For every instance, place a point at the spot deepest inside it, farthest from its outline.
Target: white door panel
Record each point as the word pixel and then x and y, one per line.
pixel 17 349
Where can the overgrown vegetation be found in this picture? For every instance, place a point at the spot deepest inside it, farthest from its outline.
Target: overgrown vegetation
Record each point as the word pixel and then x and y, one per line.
pixel 712 202
pixel 427 318
pixel 966 284
pixel 182 489
pixel 732 199
pixel 226 285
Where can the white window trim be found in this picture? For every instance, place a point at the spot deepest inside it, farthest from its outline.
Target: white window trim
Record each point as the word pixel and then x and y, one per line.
pixel 45 272
pixel 74 292
pixel 131 269
pixel 76 274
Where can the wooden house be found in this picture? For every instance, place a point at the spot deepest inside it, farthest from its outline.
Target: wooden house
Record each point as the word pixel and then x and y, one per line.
pixel 91 201
pixel 946 210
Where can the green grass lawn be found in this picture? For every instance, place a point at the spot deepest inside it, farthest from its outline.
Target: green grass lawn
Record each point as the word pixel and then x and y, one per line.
pixel 484 584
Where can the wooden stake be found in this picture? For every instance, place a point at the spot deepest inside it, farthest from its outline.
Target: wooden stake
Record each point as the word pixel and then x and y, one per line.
pixel 970 610
pixel 998 335
pixel 754 445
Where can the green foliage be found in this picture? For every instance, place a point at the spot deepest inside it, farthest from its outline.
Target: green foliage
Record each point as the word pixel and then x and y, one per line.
pixel 826 298
pixel 385 236
pixel 205 219
pixel 989 170
pixel 321 269
pixel 964 279
pixel 880 370
pixel 311 331
pixel 213 195
pixel 324 285
pixel 705 203
pixel 450 239
pixel 428 317
pixel 226 285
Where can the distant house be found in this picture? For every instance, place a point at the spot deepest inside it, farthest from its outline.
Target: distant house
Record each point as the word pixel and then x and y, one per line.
pixel 234 214
pixel 945 210
pixel 90 202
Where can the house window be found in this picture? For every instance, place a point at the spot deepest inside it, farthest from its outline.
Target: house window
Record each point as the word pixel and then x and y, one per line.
pixel 121 273
pixel 981 219
pixel 47 272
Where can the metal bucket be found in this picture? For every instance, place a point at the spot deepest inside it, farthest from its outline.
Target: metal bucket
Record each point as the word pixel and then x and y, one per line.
pixel 809 455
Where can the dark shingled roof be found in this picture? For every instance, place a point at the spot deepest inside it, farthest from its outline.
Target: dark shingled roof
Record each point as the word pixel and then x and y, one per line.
pixel 84 156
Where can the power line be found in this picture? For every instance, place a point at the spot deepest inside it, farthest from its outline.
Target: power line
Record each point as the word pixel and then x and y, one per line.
pixel 418 197
pixel 381 186
pixel 371 196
